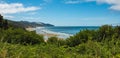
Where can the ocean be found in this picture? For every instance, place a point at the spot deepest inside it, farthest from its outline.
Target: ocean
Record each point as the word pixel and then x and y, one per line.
pixel 63 31
pixel 71 29
pixel 68 29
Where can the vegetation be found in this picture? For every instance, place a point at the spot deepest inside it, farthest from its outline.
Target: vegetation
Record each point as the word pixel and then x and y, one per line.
pixel 3 23
pixel 26 24
pixel 104 33
pixel 20 36
pixel 19 43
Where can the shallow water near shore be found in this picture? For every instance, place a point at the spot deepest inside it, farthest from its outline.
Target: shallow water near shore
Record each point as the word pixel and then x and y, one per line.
pixel 62 31
pixel 70 29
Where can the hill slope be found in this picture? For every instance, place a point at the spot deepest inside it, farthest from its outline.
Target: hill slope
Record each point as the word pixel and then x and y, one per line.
pixel 25 24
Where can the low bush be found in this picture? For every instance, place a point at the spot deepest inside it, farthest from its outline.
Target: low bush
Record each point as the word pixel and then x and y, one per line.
pixel 104 33
pixel 20 36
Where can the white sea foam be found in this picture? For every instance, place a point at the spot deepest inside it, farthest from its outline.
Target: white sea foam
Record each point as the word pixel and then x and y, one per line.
pixel 43 30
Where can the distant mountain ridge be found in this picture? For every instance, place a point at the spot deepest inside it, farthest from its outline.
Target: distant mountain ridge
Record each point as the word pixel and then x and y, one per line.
pixel 26 24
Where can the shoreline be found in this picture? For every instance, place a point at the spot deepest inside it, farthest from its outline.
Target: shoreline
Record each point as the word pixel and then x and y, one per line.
pixel 47 33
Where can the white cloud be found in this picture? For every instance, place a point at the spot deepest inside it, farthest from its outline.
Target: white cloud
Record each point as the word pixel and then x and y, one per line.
pixel 115 4
pixel 12 8
pixel 115 7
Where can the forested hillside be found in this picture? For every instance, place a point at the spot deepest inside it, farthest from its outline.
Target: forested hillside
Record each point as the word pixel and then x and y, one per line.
pixel 26 24
pixel 20 24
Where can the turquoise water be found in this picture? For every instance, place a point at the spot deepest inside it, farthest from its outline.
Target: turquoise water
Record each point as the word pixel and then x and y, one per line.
pixel 70 29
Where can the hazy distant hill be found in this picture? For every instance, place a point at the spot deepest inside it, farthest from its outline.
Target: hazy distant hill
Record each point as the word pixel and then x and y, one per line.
pixel 25 24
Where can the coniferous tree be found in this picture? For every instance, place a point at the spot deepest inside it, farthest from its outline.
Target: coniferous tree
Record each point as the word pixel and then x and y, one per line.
pixel 1 21
pixel 5 24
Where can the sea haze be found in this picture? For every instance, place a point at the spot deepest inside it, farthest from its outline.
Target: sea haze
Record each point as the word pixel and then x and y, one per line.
pixel 70 29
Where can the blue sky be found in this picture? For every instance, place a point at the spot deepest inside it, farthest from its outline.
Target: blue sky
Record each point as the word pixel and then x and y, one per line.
pixel 63 12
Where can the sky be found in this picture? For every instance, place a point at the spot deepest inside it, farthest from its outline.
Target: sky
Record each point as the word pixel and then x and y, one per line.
pixel 63 12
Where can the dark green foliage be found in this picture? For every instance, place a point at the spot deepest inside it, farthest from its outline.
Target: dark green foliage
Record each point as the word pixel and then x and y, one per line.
pixel 20 36
pixel 81 37
pixel 61 42
pixel 52 40
pixel 3 23
pixel 117 32
pixel 107 33
pixel 104 33
pixel 56 41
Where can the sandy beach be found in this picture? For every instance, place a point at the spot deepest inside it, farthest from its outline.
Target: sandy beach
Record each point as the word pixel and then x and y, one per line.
pixel 47 34
pixel 30 29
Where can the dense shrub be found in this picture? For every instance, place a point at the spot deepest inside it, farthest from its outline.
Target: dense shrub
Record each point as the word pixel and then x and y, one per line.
pixel 21 36
pixel 81 37
pixel 56 41
pixel 104 33
pixel 52 40
pixel 117 32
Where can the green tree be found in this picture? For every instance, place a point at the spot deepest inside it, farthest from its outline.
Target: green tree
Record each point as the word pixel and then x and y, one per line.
pixel 1 21
pixel 5 24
